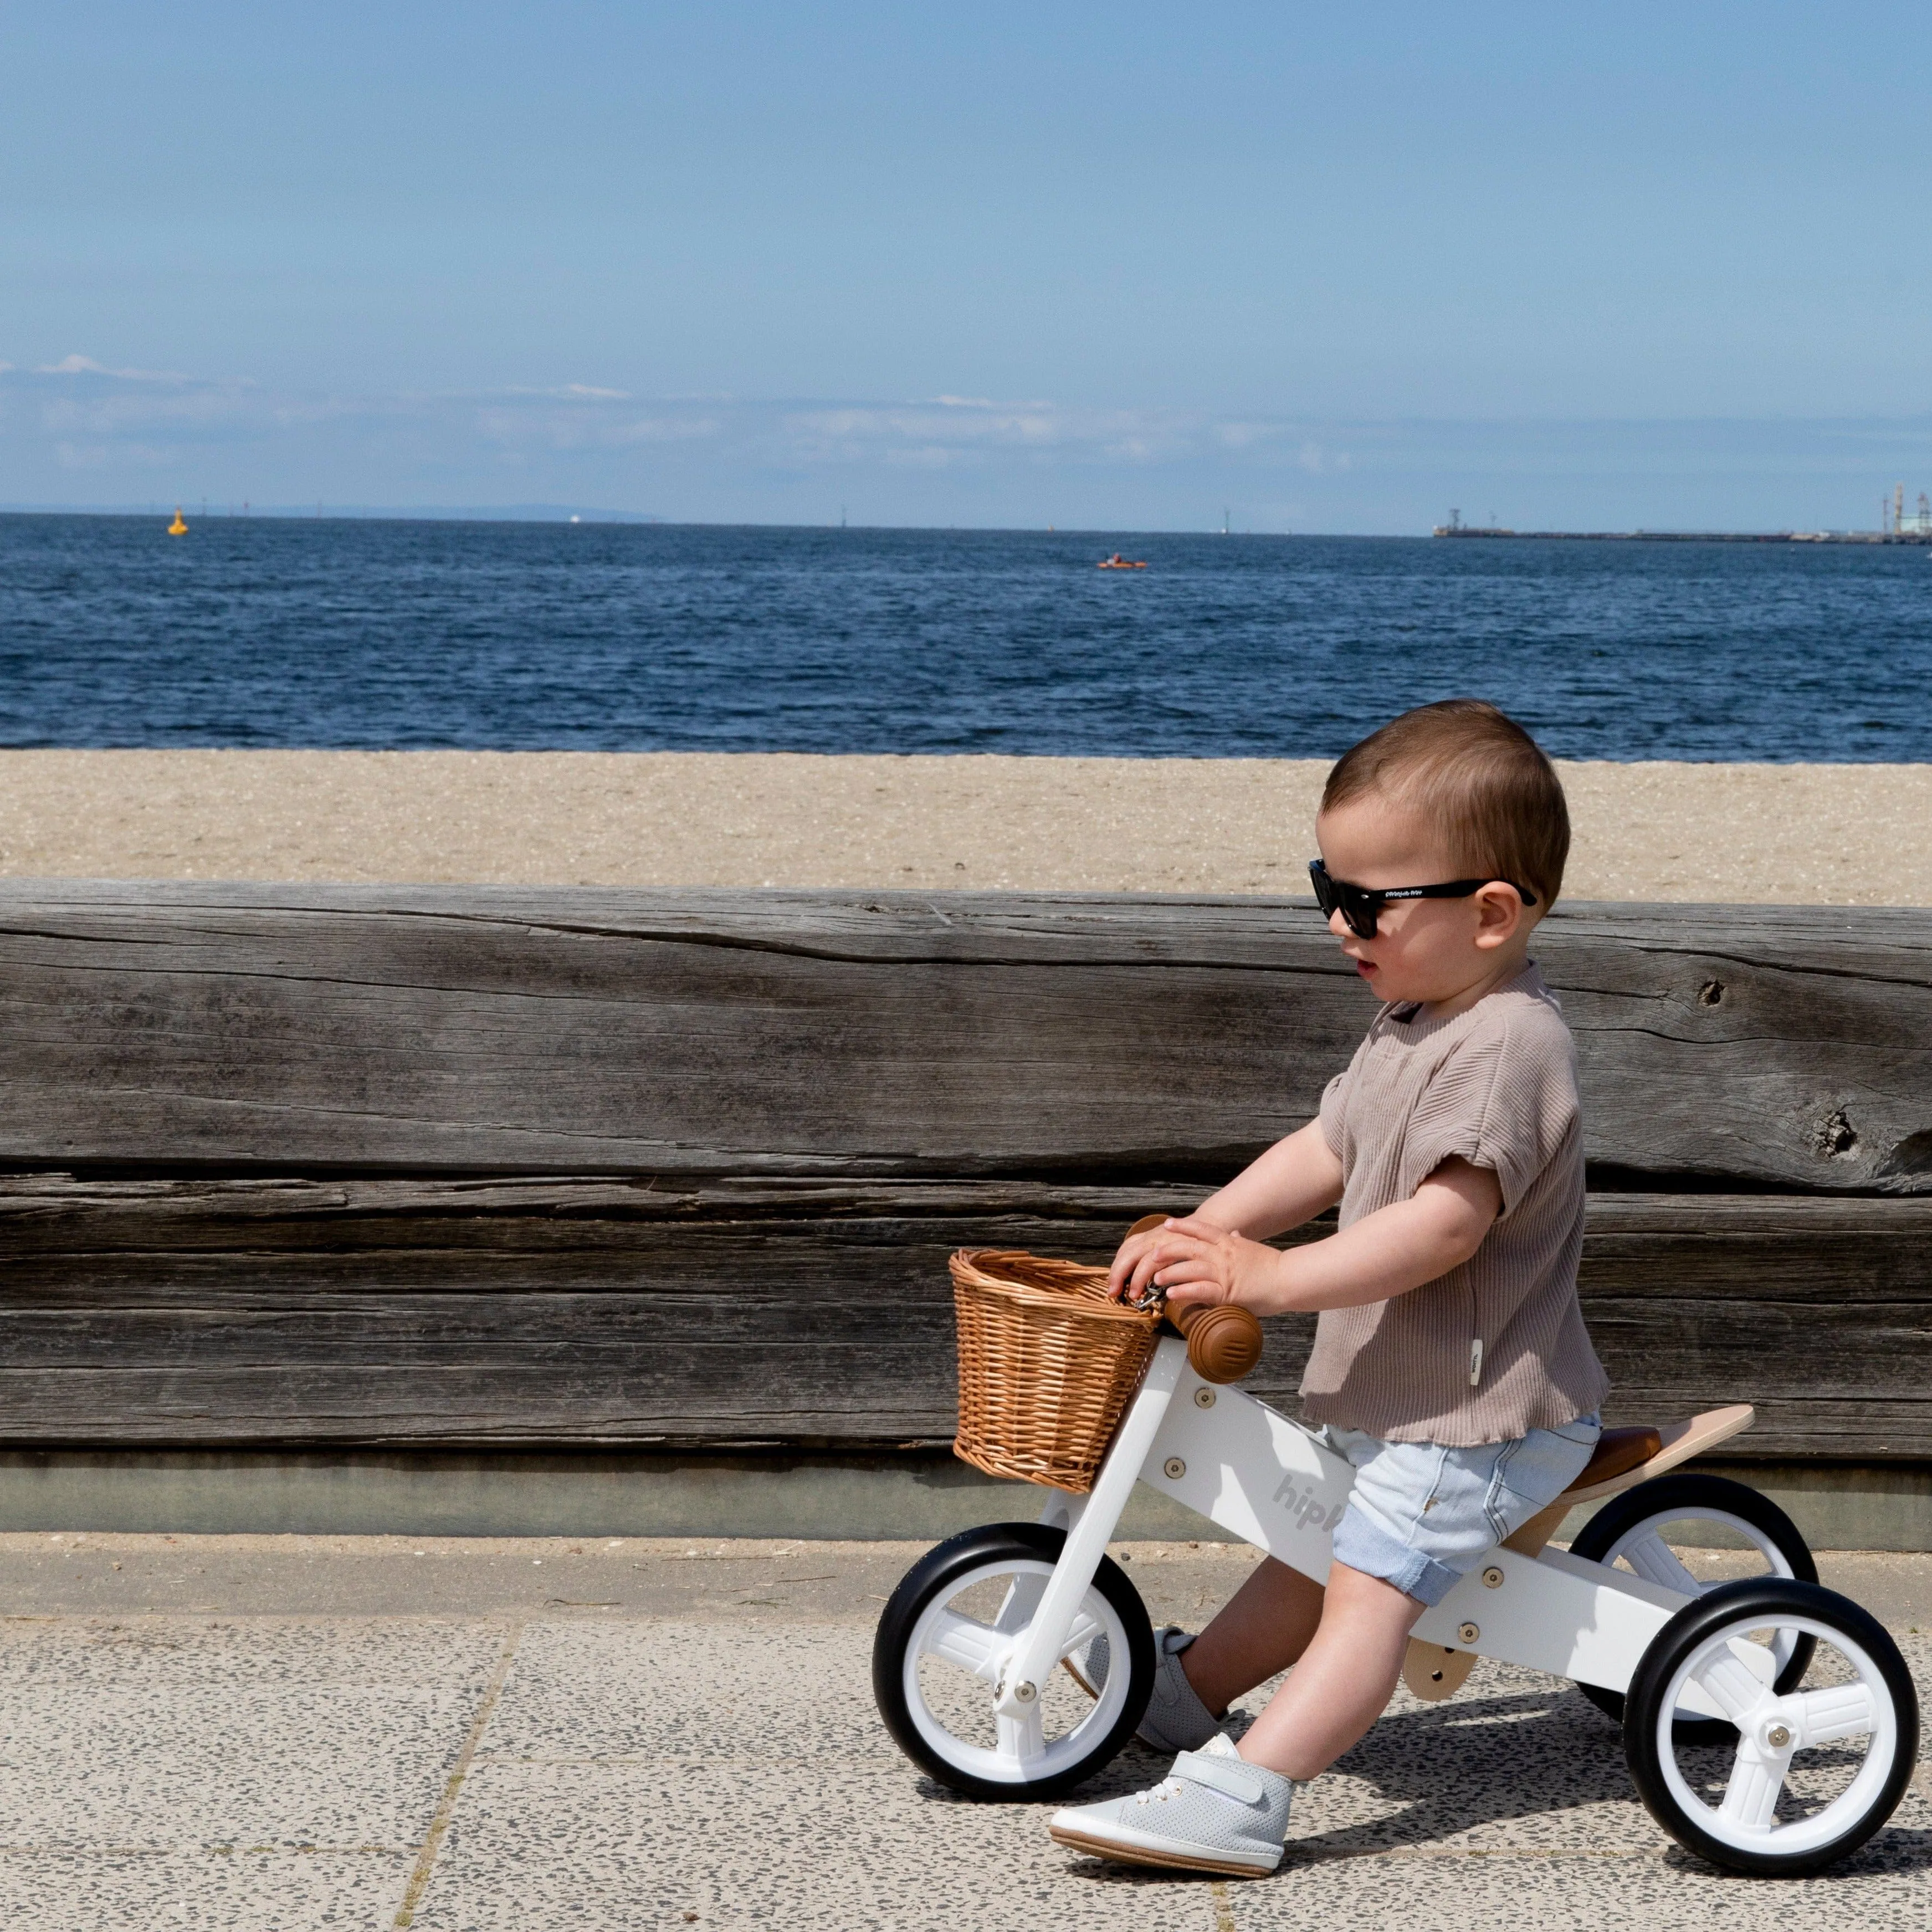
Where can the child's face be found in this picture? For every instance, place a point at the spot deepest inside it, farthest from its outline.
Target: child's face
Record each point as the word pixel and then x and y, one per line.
pixel 1431 950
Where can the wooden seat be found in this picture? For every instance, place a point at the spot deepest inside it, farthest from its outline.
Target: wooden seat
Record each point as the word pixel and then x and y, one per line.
pixel 1626 1456
pixel 1618 1450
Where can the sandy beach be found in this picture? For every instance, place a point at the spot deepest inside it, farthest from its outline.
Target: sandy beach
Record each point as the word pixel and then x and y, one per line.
pixel 1850 835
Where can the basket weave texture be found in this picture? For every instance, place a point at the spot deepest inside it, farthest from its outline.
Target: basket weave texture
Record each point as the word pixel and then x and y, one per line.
pixel 1047 1365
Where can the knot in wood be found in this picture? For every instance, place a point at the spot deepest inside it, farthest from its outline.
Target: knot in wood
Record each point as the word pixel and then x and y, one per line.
pixel 1837 1137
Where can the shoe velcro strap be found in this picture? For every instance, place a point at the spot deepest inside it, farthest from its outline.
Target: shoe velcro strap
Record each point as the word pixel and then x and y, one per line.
pixel 1230 1776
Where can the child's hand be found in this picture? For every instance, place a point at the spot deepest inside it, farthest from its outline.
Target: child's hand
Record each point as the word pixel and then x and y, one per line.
pixel 1129 1279
pixel 1195 1261
pixel 1178 1253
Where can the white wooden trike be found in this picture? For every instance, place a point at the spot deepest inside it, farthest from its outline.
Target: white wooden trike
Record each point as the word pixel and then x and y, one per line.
pixel 1770 1725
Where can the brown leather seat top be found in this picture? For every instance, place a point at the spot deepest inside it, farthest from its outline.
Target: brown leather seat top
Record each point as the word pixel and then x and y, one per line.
pixel 1618 1451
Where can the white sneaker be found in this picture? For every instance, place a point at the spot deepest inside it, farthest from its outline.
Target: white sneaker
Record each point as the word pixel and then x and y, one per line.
pixel 1214 1812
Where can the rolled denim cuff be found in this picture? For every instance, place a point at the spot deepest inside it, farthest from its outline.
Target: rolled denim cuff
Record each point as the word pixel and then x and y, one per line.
pixel 1363 1546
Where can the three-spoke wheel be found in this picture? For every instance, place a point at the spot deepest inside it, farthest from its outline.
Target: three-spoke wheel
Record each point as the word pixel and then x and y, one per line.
pixel 955 1620
pixel 1807 1770
pixel 1637 1530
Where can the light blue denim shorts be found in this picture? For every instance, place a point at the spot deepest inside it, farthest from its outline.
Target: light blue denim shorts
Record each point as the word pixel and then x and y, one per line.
pixel 1422 1516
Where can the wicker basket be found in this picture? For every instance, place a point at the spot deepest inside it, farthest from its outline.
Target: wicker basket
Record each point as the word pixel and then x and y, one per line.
pixel 1047 1366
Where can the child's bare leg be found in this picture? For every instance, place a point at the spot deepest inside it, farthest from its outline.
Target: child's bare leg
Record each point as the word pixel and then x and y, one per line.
pixel 1344 1680
pixel 1263 1628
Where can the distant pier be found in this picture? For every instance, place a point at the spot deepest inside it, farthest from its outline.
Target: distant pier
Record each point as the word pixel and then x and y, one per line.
pixel 1896 526
pixel 1922 538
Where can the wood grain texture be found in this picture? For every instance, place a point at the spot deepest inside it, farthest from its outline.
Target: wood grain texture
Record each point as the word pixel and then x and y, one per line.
pixel 474 1165
pixel 543 1311
pixel 480 1029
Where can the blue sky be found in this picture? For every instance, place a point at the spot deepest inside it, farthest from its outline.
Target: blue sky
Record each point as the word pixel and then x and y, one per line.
pixel 1112 266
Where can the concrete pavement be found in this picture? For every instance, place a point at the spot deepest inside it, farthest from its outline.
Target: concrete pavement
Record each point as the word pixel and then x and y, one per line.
pixel 290 1732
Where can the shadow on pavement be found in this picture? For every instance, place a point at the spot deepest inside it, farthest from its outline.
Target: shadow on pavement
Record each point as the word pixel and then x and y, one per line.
pixel 1469 1766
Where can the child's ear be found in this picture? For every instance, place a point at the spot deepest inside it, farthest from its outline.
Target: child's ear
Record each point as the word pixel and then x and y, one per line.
pixel 1500 914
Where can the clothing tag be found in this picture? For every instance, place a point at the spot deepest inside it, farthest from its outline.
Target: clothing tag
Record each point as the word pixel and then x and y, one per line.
pixel 1475 1361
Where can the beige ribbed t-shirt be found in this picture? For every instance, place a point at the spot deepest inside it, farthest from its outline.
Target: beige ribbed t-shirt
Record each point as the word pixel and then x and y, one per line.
pixel 1497 1347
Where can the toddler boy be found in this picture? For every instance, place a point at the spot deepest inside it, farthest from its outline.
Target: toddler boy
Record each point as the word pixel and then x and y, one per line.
pixel 1450 1364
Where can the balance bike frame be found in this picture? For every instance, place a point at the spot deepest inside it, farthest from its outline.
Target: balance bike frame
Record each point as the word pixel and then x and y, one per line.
pixel 1271 1483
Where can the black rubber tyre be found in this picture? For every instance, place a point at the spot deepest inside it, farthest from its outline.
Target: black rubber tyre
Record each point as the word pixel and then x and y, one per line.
pixel 943 1572
pixel 1756 1603
pixel 1676 1499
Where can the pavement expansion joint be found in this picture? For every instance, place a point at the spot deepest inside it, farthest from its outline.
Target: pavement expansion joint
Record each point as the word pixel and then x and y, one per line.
pixel 425 1864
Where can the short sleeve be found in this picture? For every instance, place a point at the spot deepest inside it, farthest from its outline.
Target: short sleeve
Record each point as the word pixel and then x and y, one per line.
pixel 1334 1100
pixel 1505 1100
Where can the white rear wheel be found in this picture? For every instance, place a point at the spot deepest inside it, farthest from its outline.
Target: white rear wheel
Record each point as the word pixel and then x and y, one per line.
pixel 1806 1773
pixel 1643 1530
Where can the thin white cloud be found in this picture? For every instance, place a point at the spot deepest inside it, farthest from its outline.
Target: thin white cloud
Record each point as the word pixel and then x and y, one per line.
pixel 984 402
pixel 594 442
pixel 115 413
pixel 142 411
pixel 567 392
pixel 866 427
pixel 1241 435
pixel 513 423
pixel 1318 459
pixel 86 365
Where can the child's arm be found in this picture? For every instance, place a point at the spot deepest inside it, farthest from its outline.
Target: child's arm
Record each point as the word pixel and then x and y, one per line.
pixel 1386 1253
pixel 1292 1183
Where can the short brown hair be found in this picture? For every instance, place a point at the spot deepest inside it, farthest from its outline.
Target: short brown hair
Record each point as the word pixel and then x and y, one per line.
pixel 1481 777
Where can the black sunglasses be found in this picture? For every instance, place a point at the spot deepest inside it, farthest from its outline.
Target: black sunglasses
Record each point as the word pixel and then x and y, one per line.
pixel 1360 906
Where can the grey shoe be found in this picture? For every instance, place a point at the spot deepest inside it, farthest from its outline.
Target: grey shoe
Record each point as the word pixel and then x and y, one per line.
pixel 1176 1719
pixel 1214 1812
pixel 1090 1666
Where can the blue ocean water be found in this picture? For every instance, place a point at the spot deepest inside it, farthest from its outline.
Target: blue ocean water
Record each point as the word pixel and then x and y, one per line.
pixel 393 634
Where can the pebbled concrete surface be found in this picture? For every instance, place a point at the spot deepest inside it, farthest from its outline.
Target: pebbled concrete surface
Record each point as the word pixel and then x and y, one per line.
pixel 289 1732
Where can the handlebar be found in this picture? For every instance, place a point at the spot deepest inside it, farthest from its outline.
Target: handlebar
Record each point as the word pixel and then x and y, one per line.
pixel 1224 1342
pixel 1224 1339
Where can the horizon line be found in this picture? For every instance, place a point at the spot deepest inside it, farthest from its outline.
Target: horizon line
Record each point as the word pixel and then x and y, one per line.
pixel 604 517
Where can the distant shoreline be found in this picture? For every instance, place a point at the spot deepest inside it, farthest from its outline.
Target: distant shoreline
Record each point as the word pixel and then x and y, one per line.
pixel 545 513
pixel 1792 834
pixel 356 513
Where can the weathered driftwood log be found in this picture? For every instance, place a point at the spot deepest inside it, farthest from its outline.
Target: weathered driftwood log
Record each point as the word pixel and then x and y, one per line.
pixel 431 1313
pixel 1107 1040
pixel 734 1135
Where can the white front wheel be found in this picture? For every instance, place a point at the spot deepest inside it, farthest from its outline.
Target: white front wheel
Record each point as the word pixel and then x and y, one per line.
pixel 954 1623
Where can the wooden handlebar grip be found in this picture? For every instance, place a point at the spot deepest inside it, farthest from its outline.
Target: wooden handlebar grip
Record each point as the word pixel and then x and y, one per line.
pixel 1224 1342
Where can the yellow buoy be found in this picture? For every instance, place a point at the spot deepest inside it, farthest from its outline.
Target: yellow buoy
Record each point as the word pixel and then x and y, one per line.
pixel 178 528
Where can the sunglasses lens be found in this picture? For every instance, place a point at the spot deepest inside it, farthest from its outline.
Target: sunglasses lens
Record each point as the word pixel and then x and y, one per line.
pixel 1358 908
